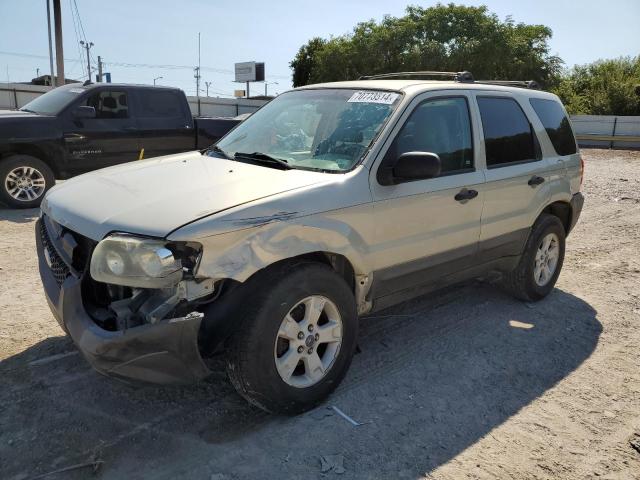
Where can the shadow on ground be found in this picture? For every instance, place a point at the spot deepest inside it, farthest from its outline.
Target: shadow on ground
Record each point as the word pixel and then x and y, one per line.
pixel 433 377
pixel 18 215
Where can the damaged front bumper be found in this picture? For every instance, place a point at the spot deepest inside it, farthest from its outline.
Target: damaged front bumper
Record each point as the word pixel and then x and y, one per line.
pixel 165 352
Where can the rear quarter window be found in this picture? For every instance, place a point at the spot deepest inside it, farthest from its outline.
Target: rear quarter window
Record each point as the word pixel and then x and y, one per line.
pixel 556 123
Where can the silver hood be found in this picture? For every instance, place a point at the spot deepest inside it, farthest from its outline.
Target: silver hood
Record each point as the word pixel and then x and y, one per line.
pixel 156 196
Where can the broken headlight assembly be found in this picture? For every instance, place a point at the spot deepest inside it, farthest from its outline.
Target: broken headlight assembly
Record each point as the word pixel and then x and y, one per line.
pixel 141 262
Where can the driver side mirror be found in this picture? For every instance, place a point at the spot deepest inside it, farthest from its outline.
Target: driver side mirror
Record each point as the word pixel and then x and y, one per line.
pixel 84 112
pixel 416 166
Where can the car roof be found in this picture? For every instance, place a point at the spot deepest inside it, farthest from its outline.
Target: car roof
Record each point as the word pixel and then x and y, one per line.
pixel 414 86
pixel 117 85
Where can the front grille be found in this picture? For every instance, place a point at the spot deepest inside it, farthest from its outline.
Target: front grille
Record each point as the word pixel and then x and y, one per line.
pixel 59 269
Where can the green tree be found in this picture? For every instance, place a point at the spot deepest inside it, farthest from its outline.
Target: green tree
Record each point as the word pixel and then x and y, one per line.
pixel 444 37
pixel 605 87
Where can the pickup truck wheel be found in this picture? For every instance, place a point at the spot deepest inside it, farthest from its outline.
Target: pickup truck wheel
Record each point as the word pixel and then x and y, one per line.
pixel 540 264
pixel 24 181
pixel 296 338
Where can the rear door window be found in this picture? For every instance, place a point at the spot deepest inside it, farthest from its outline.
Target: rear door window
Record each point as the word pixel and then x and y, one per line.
pixel 508 136
pixel 159 104
pixel 556 123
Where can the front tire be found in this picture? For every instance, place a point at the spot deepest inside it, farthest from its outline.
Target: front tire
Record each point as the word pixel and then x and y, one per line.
pixel 24 180
pixel 296 338
pixel 541 262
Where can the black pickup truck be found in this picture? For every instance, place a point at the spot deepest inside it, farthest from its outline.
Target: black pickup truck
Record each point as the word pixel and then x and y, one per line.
pixel 81 127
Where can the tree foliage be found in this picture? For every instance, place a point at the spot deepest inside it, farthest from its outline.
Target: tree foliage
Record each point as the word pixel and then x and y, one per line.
pixel 605 87
pixel 444 37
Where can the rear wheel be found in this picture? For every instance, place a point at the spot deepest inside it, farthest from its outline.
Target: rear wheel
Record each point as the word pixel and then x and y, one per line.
pixel 296 338
pixel 24 181
pixel 540 264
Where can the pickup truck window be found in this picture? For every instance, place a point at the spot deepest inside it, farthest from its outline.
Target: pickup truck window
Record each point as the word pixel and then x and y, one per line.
pixel 109 104
pixel 323 129
pixel 159 104
pixel 54 101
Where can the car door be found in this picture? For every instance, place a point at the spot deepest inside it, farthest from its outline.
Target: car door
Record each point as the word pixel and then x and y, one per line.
pixel 516 175
pixel 427 229
pixel 108 139
pixel 164 121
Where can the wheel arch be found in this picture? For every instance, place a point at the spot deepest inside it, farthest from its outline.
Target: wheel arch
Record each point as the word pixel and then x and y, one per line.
pixel 32 150
pixel 562 210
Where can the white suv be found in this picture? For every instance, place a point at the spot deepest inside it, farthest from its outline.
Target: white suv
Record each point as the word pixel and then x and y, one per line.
pixel 330 202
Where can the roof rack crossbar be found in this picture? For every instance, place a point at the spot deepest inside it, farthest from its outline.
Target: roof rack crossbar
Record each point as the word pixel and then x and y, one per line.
pixel 457 76
pixel 512 83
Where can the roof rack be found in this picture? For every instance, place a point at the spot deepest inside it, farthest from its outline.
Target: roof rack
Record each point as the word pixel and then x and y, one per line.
pixel 512 83
pixel 462 77
pixel 465 77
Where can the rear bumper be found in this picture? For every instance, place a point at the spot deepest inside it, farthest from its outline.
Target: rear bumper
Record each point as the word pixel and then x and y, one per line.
pixel 166 352
pixel 577 202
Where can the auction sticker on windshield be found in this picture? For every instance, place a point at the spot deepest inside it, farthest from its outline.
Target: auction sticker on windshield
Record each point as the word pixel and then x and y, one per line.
pixel 386 98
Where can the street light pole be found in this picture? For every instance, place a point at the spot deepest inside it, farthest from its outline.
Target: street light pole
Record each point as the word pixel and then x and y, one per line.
pixel 268 83
pixel 207 84
pixel 154 80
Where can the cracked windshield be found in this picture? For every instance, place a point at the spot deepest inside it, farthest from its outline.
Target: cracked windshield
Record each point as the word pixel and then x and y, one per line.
pixel 328 129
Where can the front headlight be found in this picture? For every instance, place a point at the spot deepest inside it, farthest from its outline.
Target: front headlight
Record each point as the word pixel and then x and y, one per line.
pixel 135 262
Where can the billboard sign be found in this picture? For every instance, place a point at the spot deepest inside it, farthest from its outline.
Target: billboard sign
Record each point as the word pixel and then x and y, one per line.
pixel 249 72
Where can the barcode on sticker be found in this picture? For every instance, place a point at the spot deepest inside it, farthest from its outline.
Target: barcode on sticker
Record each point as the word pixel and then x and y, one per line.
pixel 386 98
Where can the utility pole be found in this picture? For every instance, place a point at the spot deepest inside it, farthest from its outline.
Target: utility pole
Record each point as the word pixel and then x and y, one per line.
pixel 99 69
pixel 197 76
pixel 87 46
pixel 207 84
pixel 57 20
pixel 52 80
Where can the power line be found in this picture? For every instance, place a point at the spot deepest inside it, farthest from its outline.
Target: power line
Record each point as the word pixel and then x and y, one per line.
pixel 146 65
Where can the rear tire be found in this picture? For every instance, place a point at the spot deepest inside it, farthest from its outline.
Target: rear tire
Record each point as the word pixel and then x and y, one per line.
pixel 278 358
pixel 24 180
pixel 541 262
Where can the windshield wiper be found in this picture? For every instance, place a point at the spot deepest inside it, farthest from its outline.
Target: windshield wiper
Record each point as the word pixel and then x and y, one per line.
pixel 218 150
pixel 263 159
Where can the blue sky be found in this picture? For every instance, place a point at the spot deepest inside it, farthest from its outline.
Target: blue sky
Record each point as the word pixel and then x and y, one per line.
pixel 165 32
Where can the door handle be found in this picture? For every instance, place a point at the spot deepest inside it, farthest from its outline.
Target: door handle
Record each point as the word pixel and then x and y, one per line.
pixel 535 181
pixel 464 195
pixel 73 137
pixel 130 129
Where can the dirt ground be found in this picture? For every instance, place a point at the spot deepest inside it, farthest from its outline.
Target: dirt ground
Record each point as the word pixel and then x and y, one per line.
pixel 465 383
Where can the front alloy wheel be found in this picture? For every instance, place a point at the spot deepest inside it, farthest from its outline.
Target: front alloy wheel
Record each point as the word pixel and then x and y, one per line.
pixel 308 341
pixel 295 338
pixel 24 180
pixel 25 184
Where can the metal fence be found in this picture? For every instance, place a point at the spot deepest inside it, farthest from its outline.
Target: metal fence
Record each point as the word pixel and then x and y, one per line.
pixel 607 131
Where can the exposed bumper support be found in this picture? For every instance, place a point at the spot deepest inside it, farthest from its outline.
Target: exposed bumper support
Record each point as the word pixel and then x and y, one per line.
pixel 166 352
pixel 577 201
